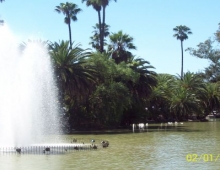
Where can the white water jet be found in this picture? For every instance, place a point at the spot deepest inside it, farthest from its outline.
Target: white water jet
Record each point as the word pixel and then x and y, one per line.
pixel 29 106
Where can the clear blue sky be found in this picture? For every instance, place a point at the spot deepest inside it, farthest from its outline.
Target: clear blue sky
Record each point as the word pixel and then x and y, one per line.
pixel 149 22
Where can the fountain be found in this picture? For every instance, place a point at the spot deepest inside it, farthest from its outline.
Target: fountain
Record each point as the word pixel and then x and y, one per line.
pixel 29 106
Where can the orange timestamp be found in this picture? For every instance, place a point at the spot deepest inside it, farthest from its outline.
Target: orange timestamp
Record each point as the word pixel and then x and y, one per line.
pixel 202 157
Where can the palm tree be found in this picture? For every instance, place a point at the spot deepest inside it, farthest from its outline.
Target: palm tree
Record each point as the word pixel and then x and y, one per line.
pixel 70 10
pixel 104 4
pixel 187 93
pixel 211 98
pixel 146 81
pixel 98 8
pixel 140 88
pixel 183 103
pixel 73 76
pixel 95 40
pixel 191 82
pixel 120 43
pixel 181 33
pixel 96 5
pixel 159 98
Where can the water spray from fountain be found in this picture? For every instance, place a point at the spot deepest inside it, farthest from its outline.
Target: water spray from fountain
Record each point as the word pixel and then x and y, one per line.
pixel 29 106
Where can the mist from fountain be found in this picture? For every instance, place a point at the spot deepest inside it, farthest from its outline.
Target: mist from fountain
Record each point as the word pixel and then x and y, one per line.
pixel 29 106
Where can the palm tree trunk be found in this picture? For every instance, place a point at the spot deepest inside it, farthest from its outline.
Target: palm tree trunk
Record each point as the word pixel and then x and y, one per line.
pixel 103 29
pixel 100 30
pixel 182 60
pixel 70 36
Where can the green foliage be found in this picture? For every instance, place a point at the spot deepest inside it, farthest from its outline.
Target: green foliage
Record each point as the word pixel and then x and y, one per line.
pixel 73 75
pixel 95 39
pixel 160 96
pixel 119 45
pixel 111 96
pixel 211 97
pixel 109 71
pixel 191 82
pixel 109 101
pixel 183 103
pixel 188 96
pixel 140 89
pixel 206 50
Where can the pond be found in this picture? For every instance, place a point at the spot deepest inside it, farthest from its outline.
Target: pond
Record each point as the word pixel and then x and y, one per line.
pixel 190 145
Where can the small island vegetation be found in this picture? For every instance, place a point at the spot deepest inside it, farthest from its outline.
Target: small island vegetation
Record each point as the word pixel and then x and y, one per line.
pixel 107 86
pixel 110 87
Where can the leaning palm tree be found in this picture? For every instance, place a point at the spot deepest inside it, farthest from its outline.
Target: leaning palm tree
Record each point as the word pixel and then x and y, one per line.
pixel 70 10
pixel 181 33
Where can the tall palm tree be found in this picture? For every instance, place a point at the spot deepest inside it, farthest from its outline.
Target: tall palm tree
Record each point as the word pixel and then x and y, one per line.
pixel 96 5
pixel 70 10
pixel 119 45
pixel 181 33
pixel 98 8
pixel 104 4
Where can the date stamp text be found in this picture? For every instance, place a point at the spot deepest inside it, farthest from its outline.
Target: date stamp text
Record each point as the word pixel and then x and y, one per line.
pixel 202 157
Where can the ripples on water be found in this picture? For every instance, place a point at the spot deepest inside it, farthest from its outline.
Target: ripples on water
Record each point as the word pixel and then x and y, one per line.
pixel 153 149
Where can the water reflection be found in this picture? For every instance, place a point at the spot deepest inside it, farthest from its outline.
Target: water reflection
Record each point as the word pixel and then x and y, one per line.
pixel 152 149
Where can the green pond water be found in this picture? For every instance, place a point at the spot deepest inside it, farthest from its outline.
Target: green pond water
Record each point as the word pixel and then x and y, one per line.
pixel 194 145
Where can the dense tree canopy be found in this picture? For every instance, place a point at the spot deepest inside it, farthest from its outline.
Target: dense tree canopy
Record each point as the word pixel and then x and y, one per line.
pixel 113 88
